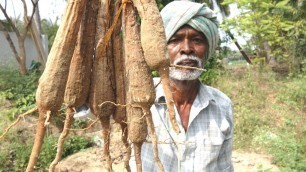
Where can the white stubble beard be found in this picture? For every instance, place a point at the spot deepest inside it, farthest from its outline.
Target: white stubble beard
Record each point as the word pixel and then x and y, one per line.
pixel 183 74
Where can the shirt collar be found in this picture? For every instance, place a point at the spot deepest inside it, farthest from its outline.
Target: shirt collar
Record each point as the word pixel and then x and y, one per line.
pixel 204 96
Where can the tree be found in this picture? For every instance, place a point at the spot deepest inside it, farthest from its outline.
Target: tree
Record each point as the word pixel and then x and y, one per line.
pixel 36 18
pixel 277 28
pixel 21 33
pixel 49 28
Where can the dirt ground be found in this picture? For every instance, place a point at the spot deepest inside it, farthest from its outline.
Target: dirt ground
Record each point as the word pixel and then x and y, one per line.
pixel 91 160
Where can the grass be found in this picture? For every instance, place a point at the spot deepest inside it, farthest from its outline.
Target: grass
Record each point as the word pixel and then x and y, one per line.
pixel 269 114
pixel 15 156
pixel 18 90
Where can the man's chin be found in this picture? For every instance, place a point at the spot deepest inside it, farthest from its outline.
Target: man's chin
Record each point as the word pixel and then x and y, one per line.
pixel 184 75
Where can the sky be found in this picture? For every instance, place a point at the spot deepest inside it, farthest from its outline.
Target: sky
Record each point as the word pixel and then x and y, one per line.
pixel 49 9
pixel 53 9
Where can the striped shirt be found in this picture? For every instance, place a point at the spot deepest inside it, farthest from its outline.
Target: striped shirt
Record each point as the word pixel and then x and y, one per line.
pixel 207 144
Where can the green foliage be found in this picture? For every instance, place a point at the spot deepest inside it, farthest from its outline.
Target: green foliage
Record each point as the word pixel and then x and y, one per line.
pixel 162 3
pixel 214 67
pixel 19 90
pixel 76 144
pixel 16 157
pixel 294 93
pixel 212 71
pixel 268 114
pixel 155 73
pixel 278 25
pixel 6 25
pixel 288 151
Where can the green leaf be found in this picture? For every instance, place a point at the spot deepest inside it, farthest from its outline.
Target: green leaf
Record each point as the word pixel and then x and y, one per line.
pixel 282 4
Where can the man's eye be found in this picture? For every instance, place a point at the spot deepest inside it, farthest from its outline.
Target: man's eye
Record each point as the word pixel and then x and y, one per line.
pixel 198 40
pixel 173 40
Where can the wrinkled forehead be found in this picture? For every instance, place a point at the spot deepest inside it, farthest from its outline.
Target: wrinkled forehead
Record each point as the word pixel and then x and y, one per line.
pixel 189 28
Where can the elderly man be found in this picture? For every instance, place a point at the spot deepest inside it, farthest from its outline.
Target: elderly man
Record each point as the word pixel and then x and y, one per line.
pixel 204 114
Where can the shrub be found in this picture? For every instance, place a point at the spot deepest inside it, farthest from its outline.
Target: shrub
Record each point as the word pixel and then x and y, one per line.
pixel 16 156
pixel 19 90
pixel 212 71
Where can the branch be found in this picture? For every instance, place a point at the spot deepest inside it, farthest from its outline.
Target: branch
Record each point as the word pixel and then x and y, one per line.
pixel 10 21
pixel 5 4
pixel 10 41
pixel 17 120
pixel 25 19
pixel 27 22
pixel 33 12
pixel 238 46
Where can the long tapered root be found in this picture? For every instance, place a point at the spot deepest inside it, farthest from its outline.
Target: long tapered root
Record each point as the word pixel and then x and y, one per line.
pixel 127 158
pixel 105 122
pixel 61 140
pixel 164 73
pixel 124 139
pixel 137 152
pixel 39 137
pixel 151 132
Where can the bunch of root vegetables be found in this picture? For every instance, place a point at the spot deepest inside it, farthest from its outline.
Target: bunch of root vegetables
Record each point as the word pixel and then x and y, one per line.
pixel 102 56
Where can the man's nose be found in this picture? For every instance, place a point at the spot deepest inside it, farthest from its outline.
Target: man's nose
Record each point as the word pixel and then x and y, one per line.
pixel 187 47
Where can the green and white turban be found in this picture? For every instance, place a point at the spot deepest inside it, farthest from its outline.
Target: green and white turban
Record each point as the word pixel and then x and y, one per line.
pixel 198 16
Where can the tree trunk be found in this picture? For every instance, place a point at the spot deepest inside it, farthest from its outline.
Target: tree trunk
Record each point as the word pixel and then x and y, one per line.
pixel 22 68
pixel 36 18
pixel 22 55
pixel 269 59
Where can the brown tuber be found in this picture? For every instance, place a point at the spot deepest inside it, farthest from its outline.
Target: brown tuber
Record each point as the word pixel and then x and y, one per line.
pixel 153 41
pixel 89 68
pixel 120 113
pixel 140 89
pixel 102 79
pixel 50 91
pixel 77 88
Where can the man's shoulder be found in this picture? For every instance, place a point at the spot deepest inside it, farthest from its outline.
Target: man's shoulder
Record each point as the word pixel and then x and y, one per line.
pixel 219 99
pixel 218 96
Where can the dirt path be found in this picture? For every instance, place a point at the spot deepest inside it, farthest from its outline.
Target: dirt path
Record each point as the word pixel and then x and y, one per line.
pixel 90 161
pixel 249 161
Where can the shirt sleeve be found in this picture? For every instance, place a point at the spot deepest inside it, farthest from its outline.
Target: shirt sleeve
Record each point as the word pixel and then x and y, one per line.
pixel 224 161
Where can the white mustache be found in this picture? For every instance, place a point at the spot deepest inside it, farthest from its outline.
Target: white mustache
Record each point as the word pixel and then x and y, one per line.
pixel 188 57
pixel 178 74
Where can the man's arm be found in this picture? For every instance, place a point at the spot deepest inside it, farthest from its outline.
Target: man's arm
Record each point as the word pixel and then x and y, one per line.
pixel 225 156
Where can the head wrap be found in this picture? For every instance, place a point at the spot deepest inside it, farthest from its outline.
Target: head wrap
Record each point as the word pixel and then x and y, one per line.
pixel 198 16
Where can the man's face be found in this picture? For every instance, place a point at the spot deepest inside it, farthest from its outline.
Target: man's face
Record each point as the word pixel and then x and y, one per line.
pixel 187 47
